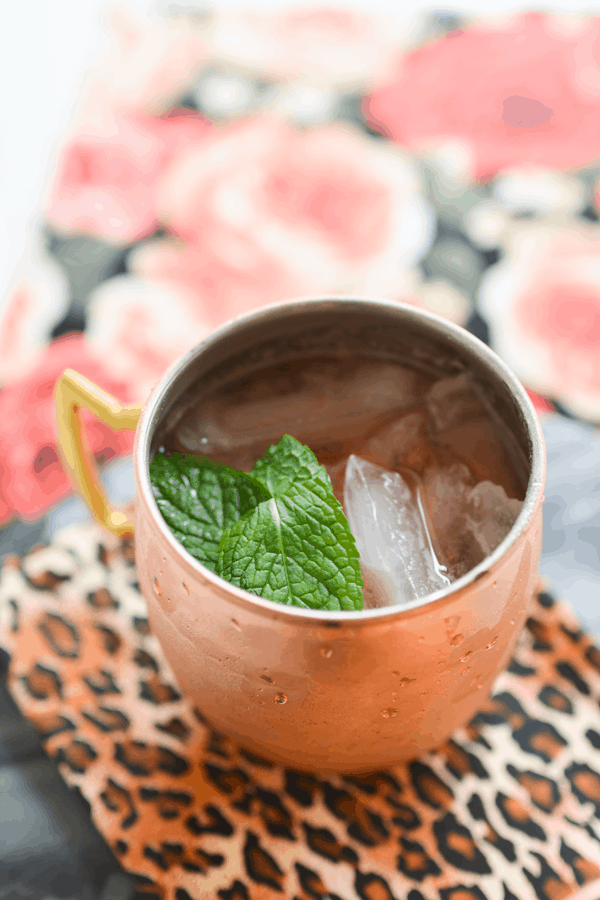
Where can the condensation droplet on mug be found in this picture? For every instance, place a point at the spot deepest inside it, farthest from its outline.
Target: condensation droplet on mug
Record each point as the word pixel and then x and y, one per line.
pixel 513 621
pixel 451 622
pixel 478 682
pixel 406 681
pixel 236 624
pixel 389 713
pixel 327 652
pixel 491 643
pixel 281 698
pixel 468 654
pixel 267 679
pixel 466 670
pixel 421 639
pixel 185 587
pixel 457 640
pixel 156 586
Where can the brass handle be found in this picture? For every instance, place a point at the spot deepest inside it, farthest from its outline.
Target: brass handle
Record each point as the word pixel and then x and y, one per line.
pixel 72 392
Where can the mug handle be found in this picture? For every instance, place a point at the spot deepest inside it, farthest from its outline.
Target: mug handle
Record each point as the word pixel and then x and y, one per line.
pixel 72 392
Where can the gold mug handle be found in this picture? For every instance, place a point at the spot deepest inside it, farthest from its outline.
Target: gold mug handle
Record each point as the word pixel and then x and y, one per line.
pixel 72 392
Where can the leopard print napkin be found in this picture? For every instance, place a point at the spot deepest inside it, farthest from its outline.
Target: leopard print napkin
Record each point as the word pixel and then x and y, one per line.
pixel 508 809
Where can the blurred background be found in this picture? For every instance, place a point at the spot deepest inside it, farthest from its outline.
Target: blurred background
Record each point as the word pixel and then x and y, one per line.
pixel 166 166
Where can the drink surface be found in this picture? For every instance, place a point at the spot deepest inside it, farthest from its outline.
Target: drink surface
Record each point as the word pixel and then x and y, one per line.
pixel 421 464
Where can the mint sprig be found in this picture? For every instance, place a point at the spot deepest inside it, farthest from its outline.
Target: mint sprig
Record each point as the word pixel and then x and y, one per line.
pixel 278 532
pixel 200 500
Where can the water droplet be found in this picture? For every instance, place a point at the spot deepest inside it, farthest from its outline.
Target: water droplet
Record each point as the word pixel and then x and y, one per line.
pixel 156 586
pixel 267 679
pixel 160 572
pixel 185 587
pixel 466 656
pixel 389 713
pixel 513 621
pixel 478 682
pixel 236 624
pixel 280 698
pixel 451 622
pixel 465 670
pixel 405 681
pixel 421 639
pixel 456 640
pixel 327 652
pixel 491 643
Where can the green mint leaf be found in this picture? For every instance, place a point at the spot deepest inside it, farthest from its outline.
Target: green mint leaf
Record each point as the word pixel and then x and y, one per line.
pixel 200 499
pixel 295 548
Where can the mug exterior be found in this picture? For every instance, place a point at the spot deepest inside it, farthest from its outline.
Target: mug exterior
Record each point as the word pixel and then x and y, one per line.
pixel 350 691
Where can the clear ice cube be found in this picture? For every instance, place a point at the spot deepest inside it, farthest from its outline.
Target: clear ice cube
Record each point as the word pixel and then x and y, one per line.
pixel 401 443
pixel 322 401
pixel 452 402
pixel 390 531
pixel 490 514
pixel 445 492
pixel 465 421
pixel 378 589
pixel 467 521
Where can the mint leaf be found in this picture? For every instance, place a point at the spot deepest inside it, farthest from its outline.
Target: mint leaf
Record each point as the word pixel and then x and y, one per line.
pixel 199 499
pixel 296 547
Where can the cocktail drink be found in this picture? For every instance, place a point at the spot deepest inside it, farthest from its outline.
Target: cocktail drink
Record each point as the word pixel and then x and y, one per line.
pixel 434 452
pixel 428 478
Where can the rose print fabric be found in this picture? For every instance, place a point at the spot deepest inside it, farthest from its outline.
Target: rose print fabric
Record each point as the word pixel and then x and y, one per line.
pixel 220 162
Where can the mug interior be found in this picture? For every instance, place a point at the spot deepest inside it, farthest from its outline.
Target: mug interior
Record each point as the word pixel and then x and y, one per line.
pixel 350 328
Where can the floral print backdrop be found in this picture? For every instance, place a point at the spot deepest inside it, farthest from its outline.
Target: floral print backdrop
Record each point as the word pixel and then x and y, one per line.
pixel 217 162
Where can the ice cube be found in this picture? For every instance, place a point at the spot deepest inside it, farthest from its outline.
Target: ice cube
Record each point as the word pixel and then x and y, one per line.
pixel 445 492
pixel 490 514
pixel 390 531
pixel 453 401
pixel 378 589
pixel 465 421
pixel 467 522
pixel 318 402
pixel 403 442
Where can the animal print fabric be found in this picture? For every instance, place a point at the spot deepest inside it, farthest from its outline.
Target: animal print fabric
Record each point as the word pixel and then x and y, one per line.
pixel 508 809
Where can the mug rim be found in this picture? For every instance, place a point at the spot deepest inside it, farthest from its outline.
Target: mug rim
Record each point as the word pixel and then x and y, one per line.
pixel 531 501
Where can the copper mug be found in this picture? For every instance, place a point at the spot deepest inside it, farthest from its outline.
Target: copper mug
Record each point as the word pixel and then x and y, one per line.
pixel 341 692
